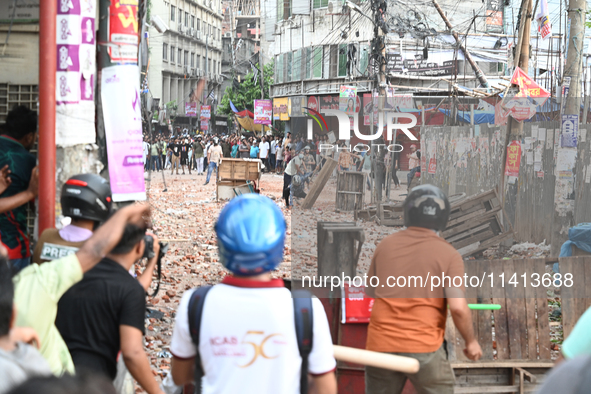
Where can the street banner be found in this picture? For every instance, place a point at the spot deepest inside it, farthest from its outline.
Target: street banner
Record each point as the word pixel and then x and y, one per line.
pixel 206 112
pixel 75 73
pixel 280 109
pixel 523 104
pixel 263 112
pixel 348 99
pixel 123 31
pixel 191 109
pixel 543 18
pixel 204 125
pixel 120 86
pixel 513 159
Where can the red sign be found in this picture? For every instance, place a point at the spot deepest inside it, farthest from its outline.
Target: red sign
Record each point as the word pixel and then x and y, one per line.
pixel 191 109
pixel 513 159
pixel 432 165
pixel 123 30
pixel 527 86
pixel 204 125
pixel 313 103
pixel 357 306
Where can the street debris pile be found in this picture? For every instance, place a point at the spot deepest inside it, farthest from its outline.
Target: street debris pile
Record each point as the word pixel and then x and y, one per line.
pixel 184 216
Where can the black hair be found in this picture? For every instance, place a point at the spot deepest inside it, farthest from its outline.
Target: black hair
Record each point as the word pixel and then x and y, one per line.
pixel 132 235
pixel 20 121
pixel 6 296
pixel 82 383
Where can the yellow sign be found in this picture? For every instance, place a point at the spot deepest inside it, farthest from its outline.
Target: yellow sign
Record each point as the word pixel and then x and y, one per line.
pixel 280 109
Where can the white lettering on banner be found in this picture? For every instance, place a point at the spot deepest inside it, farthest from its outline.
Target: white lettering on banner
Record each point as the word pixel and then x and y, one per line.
pixel 345 125
pixel 54 251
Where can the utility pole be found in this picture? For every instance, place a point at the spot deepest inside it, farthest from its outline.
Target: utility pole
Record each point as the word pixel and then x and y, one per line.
pixel 514 128
pixel 479 74
pixel 565 188
pixel 206 78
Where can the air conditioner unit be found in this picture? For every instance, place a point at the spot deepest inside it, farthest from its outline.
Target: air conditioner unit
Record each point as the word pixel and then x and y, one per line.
pixel 220 79
pixel 193 72
pixel 186 70
pixel 335 8
pixel 181 29
pixel 228 35
pixel 191 31
pixel 199 72
pixel 198 34
pixel 210 5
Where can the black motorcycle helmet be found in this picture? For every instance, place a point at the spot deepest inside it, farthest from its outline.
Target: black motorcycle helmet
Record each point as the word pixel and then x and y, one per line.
pixel 426 206
pixel 87 196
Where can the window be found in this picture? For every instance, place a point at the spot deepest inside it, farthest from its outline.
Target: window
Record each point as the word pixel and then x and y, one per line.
pixel 308 62
pixel 198 63
pixel 180 16
pixel 284 9
pixel 279 69
pixel 186 19
pixel 317 63
pixel 296 73
pixel 193 21
pixel 198 27
pixel 343 52
pixel 363 58
pixel 192 59
pixel 172 50
pixel 172 12
pixel 215 67
pixel 180 58
pixel 186 58
pixel 320 3
pixel 164 51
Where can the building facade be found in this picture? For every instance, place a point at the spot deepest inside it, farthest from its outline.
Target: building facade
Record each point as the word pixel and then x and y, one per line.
pixel 186 59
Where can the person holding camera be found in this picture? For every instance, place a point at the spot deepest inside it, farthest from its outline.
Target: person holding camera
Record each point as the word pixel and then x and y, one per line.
pixel 104 313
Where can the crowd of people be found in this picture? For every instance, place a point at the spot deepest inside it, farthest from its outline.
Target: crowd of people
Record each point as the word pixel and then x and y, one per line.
pixel 72 317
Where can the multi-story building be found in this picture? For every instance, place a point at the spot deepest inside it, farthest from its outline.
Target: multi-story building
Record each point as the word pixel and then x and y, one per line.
pixel 185 55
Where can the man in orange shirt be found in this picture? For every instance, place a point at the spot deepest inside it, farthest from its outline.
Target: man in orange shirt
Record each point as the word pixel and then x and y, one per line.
pixel 408 319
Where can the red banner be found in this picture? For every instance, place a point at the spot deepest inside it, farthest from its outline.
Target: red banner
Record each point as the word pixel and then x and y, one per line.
pixel 527 86
pixel 123 30
pixel 356 305
pixel 513 159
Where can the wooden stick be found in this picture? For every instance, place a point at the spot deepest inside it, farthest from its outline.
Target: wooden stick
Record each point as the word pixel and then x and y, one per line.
pixel 376 359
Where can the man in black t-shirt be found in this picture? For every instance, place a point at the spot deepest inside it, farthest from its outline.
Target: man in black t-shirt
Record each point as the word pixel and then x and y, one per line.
pixel 175 159
pixel 104 313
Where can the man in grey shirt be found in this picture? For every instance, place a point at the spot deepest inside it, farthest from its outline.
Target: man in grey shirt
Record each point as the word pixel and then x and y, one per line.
pixel 244 148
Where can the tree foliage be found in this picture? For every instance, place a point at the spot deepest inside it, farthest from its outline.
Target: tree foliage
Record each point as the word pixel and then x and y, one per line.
pixel 244 96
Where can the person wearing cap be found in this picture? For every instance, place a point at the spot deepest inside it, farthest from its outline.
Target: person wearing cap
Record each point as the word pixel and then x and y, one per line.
pixel 247 340
pixel 409 320
pixel 414 163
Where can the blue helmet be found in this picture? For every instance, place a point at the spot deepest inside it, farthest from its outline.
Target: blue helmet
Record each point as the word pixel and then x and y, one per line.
pixel 251 235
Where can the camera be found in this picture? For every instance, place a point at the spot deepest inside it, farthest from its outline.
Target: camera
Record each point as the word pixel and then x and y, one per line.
pixel 149 254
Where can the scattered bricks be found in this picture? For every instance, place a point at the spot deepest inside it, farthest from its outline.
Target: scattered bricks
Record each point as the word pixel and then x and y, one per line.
pixel 166 298
pixel 170 293
pixel 154 301
pixel 149 338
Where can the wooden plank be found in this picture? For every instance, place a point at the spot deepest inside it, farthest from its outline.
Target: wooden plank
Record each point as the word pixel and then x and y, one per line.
pixel 488 234
pixel 465 234
pixel 484 296
pixel 567 298
pixel 471 269
pixel 579 286
pixel 486 389
pixel 465 218
pixel 542 310
pixel 530 311
pixel 500 316
pixel 515 307
pixel 319 183
pixel 450 337
pixel 463 227
pixel 502 364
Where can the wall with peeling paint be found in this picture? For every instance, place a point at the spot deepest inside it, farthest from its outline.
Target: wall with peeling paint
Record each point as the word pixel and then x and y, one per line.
pixel 469 160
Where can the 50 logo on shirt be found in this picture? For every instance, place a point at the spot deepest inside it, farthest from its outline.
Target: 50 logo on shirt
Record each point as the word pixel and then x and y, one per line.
pixel 254 344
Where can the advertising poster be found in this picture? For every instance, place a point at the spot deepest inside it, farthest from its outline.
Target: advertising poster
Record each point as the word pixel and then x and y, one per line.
pixel 348 99
pixel 432 153
pixel 280 109
pixel 206 112
pixel 191 109
pixel 356 305
pixel 295 107
pixel 313 103
pixel 120 86
pixel 570 131
pixel 76 69
pixel 513 159
pixel 204 125
pixel 263 112
pixel 123 31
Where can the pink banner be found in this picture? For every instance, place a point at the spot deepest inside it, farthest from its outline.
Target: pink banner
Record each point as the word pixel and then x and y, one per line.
pixel 263 112
pixel 120 86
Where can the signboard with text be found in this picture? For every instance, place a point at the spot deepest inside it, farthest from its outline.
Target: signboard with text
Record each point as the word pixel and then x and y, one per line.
pixel 206 112
pixel 513 159
pixel 263 112
pixel 123 31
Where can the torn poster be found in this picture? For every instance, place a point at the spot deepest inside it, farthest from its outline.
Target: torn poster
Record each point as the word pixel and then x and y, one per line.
pixel 513 159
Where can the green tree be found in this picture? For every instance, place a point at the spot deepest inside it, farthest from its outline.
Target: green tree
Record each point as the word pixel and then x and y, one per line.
pixel 244 96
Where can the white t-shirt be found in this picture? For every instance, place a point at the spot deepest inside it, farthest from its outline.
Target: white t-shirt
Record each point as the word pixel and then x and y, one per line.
pixel 248 341
pixel 273 147
pixel 264 149
pixel 291 166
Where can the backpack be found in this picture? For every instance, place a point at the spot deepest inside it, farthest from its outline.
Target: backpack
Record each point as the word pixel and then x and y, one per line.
pixel 302 306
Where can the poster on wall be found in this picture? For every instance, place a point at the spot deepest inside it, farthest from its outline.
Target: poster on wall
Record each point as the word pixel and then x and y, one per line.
pixel 26 11
pixel 123 31
pixel 513 159
pixel 75 72
pixel 569 131
pixel 206 112
pixel 348 99
pixel 120 87
pixel 263 112
pixel 280 109
pixel 191 109
pixel 432 153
